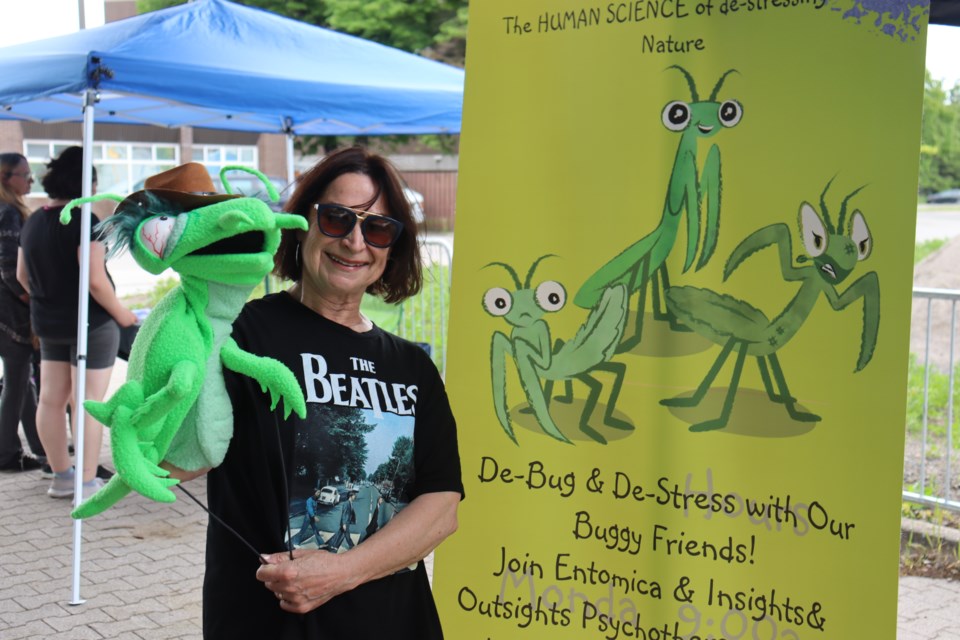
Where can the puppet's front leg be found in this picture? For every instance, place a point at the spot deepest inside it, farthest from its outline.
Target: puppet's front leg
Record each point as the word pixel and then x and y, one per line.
pixel 272 375
pixel 141 436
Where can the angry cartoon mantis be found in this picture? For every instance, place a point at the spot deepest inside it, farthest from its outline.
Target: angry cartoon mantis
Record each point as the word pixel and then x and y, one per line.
pixel 833 252
pixel 536 359
pixel 686 191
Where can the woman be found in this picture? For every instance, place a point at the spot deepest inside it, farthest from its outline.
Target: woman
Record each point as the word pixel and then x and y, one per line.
pixel 48 267
pixel 18 404
pixel 377 417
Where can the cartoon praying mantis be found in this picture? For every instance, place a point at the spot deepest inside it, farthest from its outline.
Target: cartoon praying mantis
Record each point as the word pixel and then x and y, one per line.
pixel 834 251
pixel 529 346
pixel 646 259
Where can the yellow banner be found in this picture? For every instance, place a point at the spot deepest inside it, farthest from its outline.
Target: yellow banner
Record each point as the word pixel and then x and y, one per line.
pixel 678 341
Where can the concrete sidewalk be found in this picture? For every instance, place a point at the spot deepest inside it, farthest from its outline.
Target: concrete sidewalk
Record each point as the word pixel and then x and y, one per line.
pixel 142 568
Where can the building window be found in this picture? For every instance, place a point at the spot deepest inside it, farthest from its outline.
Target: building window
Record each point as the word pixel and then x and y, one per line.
pixel 217 156
pixel 121 166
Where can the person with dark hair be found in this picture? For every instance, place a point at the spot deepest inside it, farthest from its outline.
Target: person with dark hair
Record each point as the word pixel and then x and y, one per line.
pixel 375 405
pixel 48 267
pixel 308 528
pixel 348 517
pixel 18 404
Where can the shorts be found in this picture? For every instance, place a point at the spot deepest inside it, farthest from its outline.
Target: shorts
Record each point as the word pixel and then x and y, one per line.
pixel 102 345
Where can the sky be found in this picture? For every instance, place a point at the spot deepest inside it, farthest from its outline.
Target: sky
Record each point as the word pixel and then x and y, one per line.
pixel 26 20
pixel 943 53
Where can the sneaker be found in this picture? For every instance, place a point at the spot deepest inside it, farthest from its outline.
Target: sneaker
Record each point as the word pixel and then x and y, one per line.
pixel 21 464
pixel 46 472
pixel 90 488
pixel 103 473
pixel 61 487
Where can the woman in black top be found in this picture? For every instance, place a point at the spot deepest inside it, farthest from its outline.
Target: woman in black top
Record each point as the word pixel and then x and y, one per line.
pixel 49 269
pixel 378 430
pixel 18 404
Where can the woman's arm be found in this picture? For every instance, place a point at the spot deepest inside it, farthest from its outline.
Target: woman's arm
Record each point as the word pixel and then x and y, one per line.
pixel 9 253
pixel 101 289
pixel 22 271
pixel 313 577
pixel 182 474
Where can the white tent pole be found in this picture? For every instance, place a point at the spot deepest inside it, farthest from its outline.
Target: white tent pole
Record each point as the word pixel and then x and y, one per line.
pixel 90 99
pixel 291 173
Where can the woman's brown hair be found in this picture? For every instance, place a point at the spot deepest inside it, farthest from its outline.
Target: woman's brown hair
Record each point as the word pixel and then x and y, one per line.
pixel 403 275
pixel 8 164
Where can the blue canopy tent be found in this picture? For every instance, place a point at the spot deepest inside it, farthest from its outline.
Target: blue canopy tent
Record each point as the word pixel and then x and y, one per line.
pixel 216 64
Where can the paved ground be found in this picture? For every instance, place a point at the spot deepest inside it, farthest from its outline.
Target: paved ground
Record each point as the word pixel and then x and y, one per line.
pixel 937 221
pixel 142 567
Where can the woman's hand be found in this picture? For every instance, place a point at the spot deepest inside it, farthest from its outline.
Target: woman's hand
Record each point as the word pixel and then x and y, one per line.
pixel 309 580
pixel 126 317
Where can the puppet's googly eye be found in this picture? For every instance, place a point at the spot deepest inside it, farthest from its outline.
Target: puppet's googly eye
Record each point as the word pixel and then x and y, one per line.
pixel 730 113
pixel 813 230
pixel 551 296
pixel 676 116
pixel 860 234
pixel 497 301
pixel 155 232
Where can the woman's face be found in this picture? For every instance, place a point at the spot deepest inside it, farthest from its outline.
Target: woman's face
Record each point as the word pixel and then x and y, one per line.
pixel 341 269
pixel 20 179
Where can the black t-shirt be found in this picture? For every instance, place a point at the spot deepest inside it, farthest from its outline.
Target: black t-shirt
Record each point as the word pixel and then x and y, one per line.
pixel 378 426
pixel 50 252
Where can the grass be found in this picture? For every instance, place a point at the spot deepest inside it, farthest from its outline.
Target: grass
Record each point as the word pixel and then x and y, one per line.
pixel 923 249
pixel 938 397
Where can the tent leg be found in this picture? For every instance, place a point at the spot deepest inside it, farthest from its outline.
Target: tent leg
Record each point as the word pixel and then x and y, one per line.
pixel 291 174
pixel 90 99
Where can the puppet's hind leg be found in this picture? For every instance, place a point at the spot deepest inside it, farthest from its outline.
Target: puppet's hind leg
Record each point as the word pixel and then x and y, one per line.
pixel 130 395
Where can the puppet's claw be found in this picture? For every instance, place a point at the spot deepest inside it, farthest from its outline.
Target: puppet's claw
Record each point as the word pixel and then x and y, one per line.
pixel 292 402
pixel 136 461
pixel 103 499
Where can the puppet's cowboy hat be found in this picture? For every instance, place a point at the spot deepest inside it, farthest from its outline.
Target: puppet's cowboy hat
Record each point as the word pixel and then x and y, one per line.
pixel 189 185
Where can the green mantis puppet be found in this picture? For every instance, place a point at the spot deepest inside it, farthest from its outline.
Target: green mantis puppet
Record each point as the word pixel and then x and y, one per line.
pixel 646 258
pixel 174 404
pixel 833 250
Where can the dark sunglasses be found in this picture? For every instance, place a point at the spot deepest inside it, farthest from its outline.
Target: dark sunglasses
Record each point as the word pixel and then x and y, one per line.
pixel 337 221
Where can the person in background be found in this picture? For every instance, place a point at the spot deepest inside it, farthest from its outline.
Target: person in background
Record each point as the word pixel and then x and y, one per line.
pixel 361 238
pixel 18 404
pixel 48 267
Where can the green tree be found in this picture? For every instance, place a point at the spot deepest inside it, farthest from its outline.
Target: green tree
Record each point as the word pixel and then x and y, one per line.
pixel 397 470
pixel 940 137
pixel 436 28
pixel 311 11
pixel 336 442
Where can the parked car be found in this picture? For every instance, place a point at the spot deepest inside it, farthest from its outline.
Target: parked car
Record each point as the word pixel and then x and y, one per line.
pixel 415 198
pixel 329 496
pixel 950 196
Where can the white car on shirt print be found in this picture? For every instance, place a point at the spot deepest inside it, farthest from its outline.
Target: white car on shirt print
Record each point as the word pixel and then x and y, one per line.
pixel 329 496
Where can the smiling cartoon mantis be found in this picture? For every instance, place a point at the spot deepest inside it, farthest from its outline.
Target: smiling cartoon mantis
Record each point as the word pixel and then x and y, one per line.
pixel 834 251
pixel 646 259
pixel 529 346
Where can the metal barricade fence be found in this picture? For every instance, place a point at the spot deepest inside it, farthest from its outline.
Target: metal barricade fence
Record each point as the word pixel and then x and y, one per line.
pixel 424 317
pixel 931 466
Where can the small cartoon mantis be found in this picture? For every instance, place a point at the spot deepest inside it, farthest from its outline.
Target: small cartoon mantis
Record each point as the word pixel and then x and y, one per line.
pixel 646 259
pixel 529 346
pixel 834 251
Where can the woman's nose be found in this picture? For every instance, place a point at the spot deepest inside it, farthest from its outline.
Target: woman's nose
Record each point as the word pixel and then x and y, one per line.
pixel 354 239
